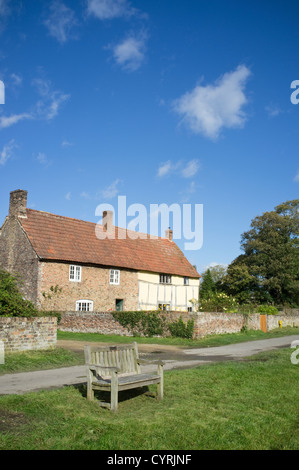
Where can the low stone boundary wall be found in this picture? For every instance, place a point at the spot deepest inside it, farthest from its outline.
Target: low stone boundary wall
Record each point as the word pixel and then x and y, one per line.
pixel 205 323
pixel 22 334
pixel 85 322
pixel 208 323
pixel 289 319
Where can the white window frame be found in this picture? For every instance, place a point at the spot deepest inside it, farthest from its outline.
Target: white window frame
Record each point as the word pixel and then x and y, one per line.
pixel 87 303
pixel 75 273
pixel 186 281
pixel 165 279
pixel 114 277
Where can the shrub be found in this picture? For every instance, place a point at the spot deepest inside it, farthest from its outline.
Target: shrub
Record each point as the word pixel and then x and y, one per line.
pixel 12 303
pixel 180 329
pixel 218 302
pixel 268 310
pixel 142 323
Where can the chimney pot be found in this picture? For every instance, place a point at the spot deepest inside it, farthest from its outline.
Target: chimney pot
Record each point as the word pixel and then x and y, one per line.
pixel 107 221
pixel 169 234
pixel 18 203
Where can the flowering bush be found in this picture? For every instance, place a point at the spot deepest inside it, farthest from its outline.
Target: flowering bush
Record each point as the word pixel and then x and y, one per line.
pixel 218 302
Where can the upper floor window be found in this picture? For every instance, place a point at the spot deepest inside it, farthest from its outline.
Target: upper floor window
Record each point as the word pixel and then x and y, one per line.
pixel 75 273
pixel 84 306
pixel 114 276
pixel 165 279
pixel 186 281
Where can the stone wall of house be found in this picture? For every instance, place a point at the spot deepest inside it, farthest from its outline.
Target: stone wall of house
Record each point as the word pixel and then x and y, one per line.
pixel 18 257
pixel 23 334
pixel 94 286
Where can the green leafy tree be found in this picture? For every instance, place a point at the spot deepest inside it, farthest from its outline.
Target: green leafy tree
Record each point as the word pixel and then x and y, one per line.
pixel 12 303
pixel 207 285
pixel 268 271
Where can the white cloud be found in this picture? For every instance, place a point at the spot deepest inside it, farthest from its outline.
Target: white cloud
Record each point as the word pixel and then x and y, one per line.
pixel 16 79
pixel 7 121
pixel 208 109
pixel 109 9
pixel 296 179
pixel 85 195
pixel 187 170
pixel 111 191
pixel 61 21
pixel 187 192
pixel 7 152
pixel 43 159
pixel 190 169
pixel 273 110
pixel 130 53
pixel 66 143
pixel 46 108
pixel 68 196
pixel 51 100
pixel 164 168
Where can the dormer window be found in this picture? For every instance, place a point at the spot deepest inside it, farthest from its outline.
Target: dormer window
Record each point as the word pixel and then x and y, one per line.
pixel 75 273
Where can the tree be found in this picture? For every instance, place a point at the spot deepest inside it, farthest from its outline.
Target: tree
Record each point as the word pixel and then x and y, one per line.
pixel 12 303
pixel 207 285
pixel 218 272
pixel 268 271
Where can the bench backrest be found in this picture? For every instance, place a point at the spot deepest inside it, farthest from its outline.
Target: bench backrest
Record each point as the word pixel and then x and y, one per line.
pixel 122 356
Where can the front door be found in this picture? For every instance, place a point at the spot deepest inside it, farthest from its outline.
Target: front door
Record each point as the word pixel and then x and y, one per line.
pixel 119 305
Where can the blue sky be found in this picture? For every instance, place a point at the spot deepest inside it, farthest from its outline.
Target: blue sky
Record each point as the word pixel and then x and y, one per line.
pixel 161 102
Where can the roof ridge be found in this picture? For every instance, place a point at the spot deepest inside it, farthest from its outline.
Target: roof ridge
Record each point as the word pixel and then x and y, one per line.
pixel 61 216
pixel 153 237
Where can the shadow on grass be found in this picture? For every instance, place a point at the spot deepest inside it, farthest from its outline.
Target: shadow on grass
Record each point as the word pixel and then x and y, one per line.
pixel 124 395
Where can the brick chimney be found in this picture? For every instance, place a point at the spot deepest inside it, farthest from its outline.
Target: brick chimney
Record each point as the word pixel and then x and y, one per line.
pixel 107 221
pixel 18 203
pixel 169 234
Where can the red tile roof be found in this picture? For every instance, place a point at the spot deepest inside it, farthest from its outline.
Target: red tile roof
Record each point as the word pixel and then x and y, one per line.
pixel 59 238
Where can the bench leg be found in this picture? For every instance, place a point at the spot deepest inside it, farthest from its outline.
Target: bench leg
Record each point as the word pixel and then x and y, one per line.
pixel 114 393
pixel 90 391
pixel 160 384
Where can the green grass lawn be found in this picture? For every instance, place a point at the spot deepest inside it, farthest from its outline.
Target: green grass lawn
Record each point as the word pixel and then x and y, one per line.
pixel 59 357
pixel 26 361
pixel 251 404
pixel 208 341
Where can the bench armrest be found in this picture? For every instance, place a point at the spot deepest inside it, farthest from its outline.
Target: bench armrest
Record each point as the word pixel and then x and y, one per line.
pixel 145 361
pixel 99 366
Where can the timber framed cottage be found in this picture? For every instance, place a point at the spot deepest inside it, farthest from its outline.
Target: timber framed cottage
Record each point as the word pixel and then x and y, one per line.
pixel 72 265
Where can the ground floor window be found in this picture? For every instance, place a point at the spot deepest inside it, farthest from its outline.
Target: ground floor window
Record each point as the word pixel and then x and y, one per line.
pixel 164 307
pixel 84 306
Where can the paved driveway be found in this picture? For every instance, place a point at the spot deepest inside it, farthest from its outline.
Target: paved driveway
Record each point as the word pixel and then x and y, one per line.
pixel 174 358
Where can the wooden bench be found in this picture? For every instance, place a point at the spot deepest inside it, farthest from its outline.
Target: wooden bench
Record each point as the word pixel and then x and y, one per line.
pixel 117 368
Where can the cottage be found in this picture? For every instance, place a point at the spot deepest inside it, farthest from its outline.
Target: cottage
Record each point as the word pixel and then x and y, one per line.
pixel 69 264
